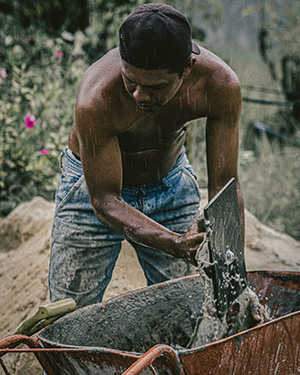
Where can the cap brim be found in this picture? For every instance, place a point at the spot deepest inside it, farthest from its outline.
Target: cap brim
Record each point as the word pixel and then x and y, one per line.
pixel 195 49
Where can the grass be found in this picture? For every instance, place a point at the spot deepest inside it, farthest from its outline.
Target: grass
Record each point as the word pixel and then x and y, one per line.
pixel 271 186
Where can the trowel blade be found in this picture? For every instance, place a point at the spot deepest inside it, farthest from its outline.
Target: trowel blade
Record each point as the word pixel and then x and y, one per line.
pixel 226 246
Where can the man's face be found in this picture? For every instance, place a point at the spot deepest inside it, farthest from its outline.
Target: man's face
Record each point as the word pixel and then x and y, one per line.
pixel 150 89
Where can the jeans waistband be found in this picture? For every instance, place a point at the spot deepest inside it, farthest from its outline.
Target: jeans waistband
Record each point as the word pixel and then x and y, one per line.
pixel 73 165
pixel 181 162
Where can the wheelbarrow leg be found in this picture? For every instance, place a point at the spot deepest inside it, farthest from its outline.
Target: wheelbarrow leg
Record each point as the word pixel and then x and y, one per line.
pixel 151 355
pixel 32 343
pixel 3 367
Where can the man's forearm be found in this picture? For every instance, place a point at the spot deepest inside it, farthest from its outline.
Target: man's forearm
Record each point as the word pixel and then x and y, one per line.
pixel 137 227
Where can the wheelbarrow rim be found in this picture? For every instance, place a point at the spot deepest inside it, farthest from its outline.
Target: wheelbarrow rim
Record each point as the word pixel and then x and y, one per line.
pixel 181 352
pixel 115 299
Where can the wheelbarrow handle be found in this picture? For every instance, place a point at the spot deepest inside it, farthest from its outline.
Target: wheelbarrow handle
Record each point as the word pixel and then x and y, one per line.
pixel 46 315
pixel 33 343
pixel 151 355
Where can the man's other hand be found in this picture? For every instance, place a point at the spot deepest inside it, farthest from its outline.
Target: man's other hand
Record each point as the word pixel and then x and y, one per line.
pixel 190 241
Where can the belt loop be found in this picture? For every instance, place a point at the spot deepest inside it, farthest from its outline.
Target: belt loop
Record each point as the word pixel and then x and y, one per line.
pixel 60 159
pixel 166 183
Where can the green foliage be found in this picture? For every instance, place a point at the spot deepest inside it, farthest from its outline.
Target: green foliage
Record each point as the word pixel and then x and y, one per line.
pixel 105 20
pixel 107 16
pixel 55 15
pixel 38 78
pixel 279 25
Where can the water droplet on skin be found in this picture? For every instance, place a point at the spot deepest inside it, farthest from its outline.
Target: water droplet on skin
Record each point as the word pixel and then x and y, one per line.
pixel 180 102
pixel 195 104
pixel 159 134
pixel 188 95
pixel 158 173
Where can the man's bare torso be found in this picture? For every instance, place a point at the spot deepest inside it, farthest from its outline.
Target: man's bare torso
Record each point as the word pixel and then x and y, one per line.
pixel 150 142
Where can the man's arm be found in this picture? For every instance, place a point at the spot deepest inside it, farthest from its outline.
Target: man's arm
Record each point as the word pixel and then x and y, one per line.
pixel 97 125
pixel 222 134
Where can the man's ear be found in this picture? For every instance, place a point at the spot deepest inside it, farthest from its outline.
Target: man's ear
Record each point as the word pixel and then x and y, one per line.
pixel 189 66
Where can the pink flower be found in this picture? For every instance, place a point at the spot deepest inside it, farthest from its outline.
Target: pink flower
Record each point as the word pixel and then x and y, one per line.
pixel 59 54
pixel 44 151
pixel 3 73
pixel 30 120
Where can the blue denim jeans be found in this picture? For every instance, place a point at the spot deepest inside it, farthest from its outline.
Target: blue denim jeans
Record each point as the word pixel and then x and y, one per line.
pixel 84 251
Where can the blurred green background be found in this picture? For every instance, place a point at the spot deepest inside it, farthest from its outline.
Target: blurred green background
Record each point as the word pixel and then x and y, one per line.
pixel 45 47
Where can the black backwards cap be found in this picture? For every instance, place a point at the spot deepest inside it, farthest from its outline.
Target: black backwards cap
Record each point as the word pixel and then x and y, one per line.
pixel 156 36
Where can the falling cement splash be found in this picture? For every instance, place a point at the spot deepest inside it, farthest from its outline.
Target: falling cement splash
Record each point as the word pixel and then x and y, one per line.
pixel 210 327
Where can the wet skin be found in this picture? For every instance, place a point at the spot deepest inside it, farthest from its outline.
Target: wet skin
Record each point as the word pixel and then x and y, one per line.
pixel 129 130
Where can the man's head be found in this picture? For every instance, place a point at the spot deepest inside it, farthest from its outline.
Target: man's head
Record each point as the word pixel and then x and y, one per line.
pixel 157 36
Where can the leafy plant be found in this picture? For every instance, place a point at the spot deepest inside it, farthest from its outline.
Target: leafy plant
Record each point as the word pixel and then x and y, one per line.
pixel 279 41
pixel 37 100
pixel 55 15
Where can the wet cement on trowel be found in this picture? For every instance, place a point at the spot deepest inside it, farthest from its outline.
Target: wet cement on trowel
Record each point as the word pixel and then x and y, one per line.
pixel 210 327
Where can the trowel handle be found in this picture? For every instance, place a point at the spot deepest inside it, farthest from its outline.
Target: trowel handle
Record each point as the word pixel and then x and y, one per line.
pixel 151 355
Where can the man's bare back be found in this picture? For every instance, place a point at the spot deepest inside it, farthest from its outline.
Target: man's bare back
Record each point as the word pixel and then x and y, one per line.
pixel 150 140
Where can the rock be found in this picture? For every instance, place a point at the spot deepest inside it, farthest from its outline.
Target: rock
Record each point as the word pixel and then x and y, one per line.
pixel 24 222
pixel 24 257
pixel 267 249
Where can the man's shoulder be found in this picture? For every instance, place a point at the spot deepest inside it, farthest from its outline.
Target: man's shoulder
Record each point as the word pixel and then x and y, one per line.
pixel 215 70
pixel 111 59
pixel 101 79
pixel 217 84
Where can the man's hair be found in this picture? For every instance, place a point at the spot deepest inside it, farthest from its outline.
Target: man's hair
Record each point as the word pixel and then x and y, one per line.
pixel 157 36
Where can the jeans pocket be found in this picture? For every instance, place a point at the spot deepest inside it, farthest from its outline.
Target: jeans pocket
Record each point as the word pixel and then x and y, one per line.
pixel 65 193
pixel 188 171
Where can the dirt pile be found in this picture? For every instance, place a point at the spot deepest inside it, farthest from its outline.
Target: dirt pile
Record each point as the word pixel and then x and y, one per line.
pixel 24 258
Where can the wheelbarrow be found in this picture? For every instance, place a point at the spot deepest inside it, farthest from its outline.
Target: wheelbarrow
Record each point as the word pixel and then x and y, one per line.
pixel 111 337
pixel 148 331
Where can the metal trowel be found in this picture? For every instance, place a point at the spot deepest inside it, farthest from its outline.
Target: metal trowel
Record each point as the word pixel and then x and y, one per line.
pixel 226 247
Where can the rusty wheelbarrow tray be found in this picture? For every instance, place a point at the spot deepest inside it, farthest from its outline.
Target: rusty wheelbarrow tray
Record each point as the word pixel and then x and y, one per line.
pixel 111 337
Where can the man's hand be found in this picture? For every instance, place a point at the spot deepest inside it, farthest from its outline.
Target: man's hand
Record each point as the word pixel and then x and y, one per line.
pixel 190 242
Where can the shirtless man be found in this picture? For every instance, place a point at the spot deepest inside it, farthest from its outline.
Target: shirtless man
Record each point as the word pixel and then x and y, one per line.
pixel 126 175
